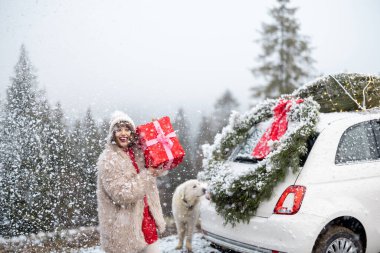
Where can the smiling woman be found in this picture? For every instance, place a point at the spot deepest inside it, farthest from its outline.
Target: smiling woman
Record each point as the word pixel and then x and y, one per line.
pixel 124 136
pixel 129 207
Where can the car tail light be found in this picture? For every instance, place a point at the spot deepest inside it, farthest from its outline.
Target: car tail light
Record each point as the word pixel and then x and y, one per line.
pixel 290 200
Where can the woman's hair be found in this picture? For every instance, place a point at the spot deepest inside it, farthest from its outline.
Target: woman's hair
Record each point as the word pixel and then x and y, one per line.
pixel 134 136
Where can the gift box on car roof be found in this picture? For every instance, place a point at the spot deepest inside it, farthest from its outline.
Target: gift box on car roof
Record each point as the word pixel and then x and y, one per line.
pixel 160 144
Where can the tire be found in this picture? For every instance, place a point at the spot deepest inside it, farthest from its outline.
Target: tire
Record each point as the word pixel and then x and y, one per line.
pixel 338 239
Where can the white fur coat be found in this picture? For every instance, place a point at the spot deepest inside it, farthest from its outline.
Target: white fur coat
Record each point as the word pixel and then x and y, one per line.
pixel 120 194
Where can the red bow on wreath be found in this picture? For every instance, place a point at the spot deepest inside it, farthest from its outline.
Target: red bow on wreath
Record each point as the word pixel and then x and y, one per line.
pixel 276 130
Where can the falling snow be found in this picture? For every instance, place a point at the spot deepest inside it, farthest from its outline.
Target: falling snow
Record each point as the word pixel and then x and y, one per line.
pixel 168 244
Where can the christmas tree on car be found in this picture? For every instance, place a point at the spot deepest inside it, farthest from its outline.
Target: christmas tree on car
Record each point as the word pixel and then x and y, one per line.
pixel 343 92
pixel 292 121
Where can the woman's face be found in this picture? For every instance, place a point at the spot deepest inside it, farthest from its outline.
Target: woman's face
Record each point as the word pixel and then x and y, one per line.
pixel 123 136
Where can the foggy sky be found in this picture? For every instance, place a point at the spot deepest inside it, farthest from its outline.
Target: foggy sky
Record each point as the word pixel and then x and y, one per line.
pixel 149 58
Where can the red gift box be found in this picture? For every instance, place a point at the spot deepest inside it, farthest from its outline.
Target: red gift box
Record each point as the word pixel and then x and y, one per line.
pixel 160 144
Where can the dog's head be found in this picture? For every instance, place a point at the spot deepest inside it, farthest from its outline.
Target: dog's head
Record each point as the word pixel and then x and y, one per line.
pixel 191 191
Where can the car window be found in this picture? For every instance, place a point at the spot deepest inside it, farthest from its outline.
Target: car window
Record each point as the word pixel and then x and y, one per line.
pixel 357 143
pixel 243 152
pixel 309 145
pixel 376 129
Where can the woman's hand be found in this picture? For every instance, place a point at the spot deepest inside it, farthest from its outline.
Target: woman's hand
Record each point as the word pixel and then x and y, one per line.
pixel 157 172
pixel 162 228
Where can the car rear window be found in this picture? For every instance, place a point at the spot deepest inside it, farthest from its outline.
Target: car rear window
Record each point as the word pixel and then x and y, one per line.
pixel 243 153
pixel 358 143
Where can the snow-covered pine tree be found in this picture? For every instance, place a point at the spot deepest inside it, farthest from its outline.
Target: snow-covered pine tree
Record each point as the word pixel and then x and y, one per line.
pixel 77 183
pixel 222 110
pixel 3 193
pixel 90 152
pixel 185 170
pixel 285 62
pixel 42 200
pixel 204 135
pixel 211 125
pixel 182 127
pixel 103 131
pixel 57 164
pixel 21 151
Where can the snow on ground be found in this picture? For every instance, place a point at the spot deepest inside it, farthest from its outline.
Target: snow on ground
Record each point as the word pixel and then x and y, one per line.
pixel 168 244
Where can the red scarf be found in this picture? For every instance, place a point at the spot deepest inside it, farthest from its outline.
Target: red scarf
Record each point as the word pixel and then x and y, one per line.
pixel 149 228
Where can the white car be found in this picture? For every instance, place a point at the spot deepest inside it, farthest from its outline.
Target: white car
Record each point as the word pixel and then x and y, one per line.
pixel 331 205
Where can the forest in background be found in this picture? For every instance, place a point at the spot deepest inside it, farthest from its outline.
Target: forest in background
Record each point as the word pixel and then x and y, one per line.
pixel 48 166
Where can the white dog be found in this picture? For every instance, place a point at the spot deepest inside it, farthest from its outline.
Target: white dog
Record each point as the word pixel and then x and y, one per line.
pixel 185 206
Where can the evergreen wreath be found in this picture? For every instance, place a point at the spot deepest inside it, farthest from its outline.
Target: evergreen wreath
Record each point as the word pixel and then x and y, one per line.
pixel 238 194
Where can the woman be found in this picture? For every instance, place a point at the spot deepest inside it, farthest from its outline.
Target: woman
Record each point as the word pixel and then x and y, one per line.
pixel 128 202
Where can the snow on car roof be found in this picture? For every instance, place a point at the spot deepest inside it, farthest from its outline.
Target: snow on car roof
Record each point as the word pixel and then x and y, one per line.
pixel 328 118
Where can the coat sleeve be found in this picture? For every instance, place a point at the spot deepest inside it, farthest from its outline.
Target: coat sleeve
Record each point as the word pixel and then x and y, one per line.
pixel 122 188
pixel 155 207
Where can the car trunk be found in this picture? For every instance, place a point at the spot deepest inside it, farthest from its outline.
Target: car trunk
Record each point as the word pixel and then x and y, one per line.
pixel 214 227
pixel 242 159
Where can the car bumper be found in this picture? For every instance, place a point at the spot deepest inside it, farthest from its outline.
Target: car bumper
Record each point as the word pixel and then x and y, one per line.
pixel 277 233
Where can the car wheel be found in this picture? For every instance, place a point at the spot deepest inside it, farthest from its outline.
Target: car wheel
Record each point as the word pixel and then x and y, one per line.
pixel 338 240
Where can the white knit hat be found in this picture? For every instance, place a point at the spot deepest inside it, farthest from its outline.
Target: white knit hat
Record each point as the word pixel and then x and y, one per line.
pixel 116 117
